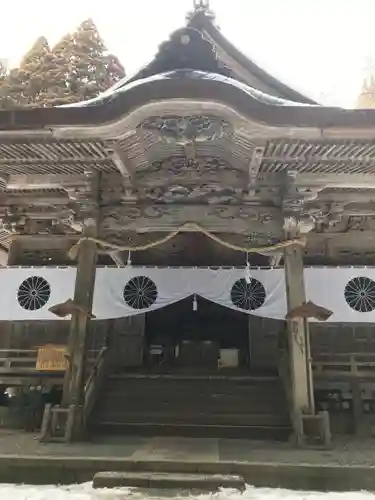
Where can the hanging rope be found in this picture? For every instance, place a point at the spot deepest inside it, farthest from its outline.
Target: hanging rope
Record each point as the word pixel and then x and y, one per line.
pixel 73 252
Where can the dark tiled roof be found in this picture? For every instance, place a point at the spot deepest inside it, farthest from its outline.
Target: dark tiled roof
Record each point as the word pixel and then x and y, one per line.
pixel 187 84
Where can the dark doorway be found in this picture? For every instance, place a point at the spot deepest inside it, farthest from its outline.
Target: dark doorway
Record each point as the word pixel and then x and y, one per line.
pixel 210 328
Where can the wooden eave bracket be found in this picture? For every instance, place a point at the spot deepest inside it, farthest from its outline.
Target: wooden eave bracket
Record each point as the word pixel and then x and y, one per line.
pixel 68 308
pixel 309 310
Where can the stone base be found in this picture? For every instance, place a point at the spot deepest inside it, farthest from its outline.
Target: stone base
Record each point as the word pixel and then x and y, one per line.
pixel 202 482
pixel 313 431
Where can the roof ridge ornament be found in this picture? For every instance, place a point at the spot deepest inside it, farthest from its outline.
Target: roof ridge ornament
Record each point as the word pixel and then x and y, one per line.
pixel 201 6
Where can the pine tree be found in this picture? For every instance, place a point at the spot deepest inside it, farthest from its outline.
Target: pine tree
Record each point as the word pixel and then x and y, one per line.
pixel 88 69
pixel 92 69
pixel 4 70
pixel 78 68
pixel 27 84
pixel 4 73
pixel 59 92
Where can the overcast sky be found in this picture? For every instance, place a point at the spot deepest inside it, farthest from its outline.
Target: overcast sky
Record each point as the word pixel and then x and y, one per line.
pixel 323 48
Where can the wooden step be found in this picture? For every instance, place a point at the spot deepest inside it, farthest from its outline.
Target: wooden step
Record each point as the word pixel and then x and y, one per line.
pixel 192 406
pixel 195 390
pixel 197 418
pixel 165 382
pixel 254 408
pixel 281 433
pixel 181 394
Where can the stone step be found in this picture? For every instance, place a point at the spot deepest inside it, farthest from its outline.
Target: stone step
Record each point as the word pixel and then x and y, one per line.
pixel 158 480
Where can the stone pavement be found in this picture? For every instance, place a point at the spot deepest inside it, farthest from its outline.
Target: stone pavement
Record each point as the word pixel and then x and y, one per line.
pixel 178 449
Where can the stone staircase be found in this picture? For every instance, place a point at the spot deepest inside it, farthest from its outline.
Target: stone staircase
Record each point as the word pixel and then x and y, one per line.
pixel 186 405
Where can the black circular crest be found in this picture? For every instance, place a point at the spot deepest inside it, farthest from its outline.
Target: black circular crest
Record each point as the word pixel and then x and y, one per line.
pixel 359 294
pixel 33 293
pixel 140 292
pixel 248 296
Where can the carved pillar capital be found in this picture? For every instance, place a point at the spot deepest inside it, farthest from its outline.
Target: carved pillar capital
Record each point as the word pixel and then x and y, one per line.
pixel 294 199
pixel 291 227
pixel 84 193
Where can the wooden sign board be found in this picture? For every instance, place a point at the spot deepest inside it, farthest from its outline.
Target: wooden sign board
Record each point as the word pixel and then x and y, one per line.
pixel 52 358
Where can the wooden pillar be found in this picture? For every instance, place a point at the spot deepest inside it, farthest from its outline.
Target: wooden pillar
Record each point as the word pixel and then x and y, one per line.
pixel 75 377
pixel 301 393
pixel 357 401
pixel 250 343
pixel 14 253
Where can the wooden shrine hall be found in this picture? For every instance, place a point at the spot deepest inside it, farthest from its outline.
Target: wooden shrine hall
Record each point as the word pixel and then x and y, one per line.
pixel 199 243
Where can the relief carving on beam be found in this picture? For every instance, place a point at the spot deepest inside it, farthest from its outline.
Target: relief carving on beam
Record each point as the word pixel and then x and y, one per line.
pixel 244 213
pixel 185 130
pixel 37 219
pixel 234 219
pixel 329 218
pixel 211 194
pixel 182 168
pixel 294 196
pixel 360 223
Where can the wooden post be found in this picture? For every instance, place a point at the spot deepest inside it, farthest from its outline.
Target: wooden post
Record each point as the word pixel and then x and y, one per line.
pixel 302 394
pixel 74 381
pixel 357 401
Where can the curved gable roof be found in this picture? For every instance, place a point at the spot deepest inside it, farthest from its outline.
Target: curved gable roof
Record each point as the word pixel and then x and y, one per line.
pixel 251 72
pixel 189 84
pixel 206 50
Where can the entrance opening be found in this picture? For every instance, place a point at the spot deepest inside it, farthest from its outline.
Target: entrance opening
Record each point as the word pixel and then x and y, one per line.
pixel 202 338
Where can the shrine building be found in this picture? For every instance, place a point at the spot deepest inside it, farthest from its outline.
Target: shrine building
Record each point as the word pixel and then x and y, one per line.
pixel 199 243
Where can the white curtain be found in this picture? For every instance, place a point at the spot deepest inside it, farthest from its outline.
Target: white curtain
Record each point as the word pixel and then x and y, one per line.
pixel 342 288
pixel 27 293
pixel 174 284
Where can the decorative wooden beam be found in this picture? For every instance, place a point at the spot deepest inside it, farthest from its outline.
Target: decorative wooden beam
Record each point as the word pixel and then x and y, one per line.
pixel 333 180
pixel 124 166
pixel 216 218
pixel 119 159
pixel 25 199
pixel 254 167
pixel 41 181
pixel 51 162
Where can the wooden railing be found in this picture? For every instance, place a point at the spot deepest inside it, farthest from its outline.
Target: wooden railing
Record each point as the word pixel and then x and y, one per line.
pixel 95 382
pixel 349 365
pixel 58 421
pixel 23 361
